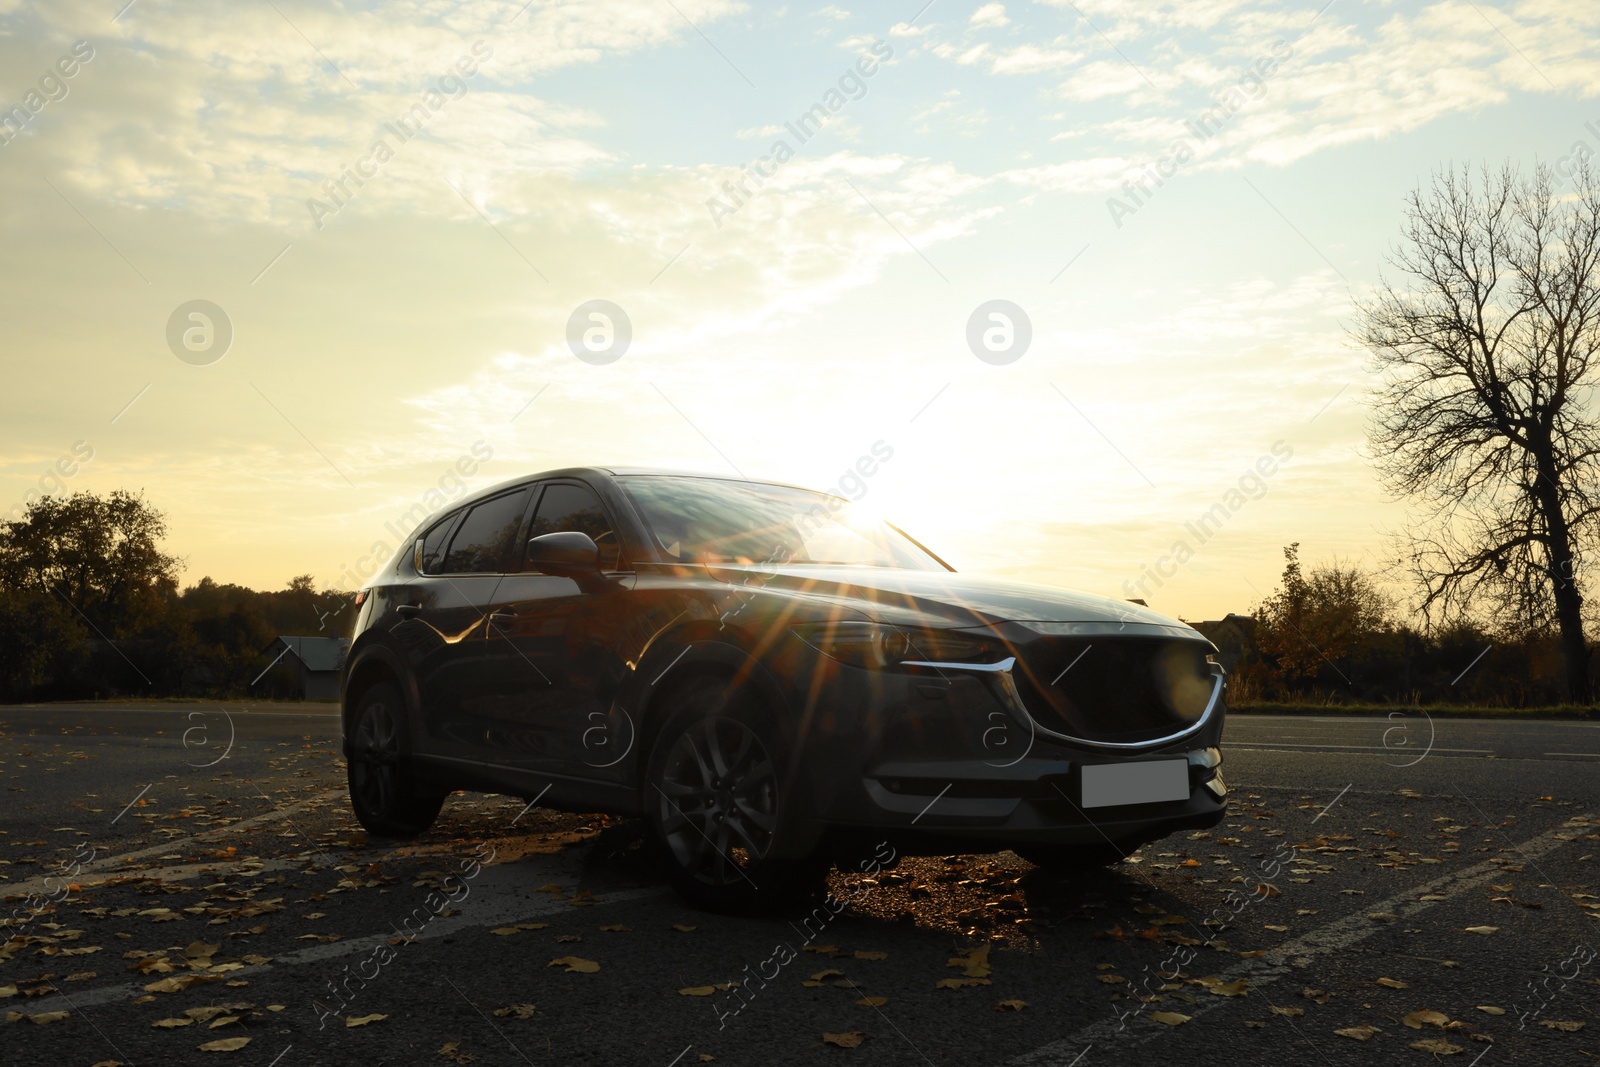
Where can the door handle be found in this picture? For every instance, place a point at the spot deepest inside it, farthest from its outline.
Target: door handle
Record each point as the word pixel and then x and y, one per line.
pixel 407 611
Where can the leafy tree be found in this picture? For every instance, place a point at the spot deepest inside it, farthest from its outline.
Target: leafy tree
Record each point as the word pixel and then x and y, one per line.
pixel 1319 620
pixel 99 555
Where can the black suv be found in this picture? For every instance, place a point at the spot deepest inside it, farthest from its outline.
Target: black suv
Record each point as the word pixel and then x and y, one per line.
pixel 768 678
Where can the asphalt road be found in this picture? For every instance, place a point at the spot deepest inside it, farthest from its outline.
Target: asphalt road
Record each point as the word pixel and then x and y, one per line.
pixel 183 874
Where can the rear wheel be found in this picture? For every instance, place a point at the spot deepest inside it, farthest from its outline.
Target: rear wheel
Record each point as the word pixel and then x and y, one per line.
pixel 722 816
pixel 386 800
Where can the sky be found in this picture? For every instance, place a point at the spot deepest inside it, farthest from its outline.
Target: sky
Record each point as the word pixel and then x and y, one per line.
pixel 1085 270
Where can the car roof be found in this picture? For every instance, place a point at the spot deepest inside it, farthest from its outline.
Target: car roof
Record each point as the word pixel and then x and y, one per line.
pixel 612 471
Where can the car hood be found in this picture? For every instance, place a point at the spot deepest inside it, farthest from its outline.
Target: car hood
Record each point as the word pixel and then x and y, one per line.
pixel 945 598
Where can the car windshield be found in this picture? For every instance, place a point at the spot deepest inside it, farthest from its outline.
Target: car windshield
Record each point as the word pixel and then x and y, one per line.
pixel 709 520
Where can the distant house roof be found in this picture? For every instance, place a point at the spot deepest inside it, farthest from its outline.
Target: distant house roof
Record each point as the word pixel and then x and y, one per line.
pixel 317 653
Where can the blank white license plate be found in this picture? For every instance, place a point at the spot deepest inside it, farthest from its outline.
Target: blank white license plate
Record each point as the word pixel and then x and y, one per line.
pixel 1146 782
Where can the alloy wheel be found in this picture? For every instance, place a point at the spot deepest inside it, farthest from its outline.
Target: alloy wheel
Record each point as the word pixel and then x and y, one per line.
pixel 718 798
pixel 375 759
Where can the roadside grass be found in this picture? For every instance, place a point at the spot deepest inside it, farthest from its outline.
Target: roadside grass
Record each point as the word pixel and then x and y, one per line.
pixel 1438 711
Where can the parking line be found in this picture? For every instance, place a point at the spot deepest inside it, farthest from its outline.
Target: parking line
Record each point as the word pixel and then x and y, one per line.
pixel 1325 940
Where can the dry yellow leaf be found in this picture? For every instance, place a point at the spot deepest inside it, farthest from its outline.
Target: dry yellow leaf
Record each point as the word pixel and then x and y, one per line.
pixel 849 1040
pixel 697 991
pixel 1170 1018
pixel 363 1020
pixel 1360 1033
pixel 43 1018
pixel 1392 983
pixel 1418 1019
pixel 517 1011
pixel 1490 1009
pixel 171 1024
pixel 1564 1027
pixel 1485 930
pixel 227 1044
pixel 1438 1046
pixel 1011 1005
pixel 873 1002
pixel 575 964
pixel 862 954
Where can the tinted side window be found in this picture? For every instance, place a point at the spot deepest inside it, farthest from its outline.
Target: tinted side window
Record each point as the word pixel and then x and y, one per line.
pixel 575 507
pixel 484 539
pixel 433 545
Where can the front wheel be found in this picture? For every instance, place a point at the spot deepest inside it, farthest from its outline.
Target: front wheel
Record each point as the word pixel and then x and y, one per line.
pixel 387 802
pixel 722 815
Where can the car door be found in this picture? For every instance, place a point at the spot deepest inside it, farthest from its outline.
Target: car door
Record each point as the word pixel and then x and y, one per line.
pixel 556 638
pixel 457 587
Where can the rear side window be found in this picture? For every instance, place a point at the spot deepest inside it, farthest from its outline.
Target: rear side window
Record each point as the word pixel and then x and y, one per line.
pixel 483 540
pixel 575 507
pixel 433 545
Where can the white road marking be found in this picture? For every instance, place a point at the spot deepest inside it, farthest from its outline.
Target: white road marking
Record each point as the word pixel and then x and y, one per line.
pixel 1326 940
pixel 1353 748
pixel 37 885
pixel 1336 936
pixel 497 898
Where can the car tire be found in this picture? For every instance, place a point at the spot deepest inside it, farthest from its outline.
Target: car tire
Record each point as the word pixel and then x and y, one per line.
pixel 383 793
pixel 721 821
pixel 1066 860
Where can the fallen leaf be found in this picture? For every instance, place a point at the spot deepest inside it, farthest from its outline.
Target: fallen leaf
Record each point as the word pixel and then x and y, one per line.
pixel 1418 1019
pixel 1011 1005
pixel 960 983
pixel 574 964
pixel 1288 1011
pixel 43 1018
pixel 451 1051
pixel 697 991
pixel 171 1024
pixel 1360 1033
pixel 849 1040
pixel 975 964
pixel 682 929
pixel 1170 1018
pixel 1564 1027
pixel 820 975
pixel 1489 1009
pixel 1438 1046
pixel 616 929
pixel 1484 930
pixel 505 931
pixel 1392 983
pixel 870 955
pixel 363 1020
pixel 516 1011
pixel 1236 988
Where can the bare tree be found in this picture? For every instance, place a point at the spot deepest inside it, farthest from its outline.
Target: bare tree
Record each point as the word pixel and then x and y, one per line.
pixel 1485 417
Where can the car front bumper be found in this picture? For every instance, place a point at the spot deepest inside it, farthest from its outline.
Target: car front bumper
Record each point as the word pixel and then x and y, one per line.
pixel 954 759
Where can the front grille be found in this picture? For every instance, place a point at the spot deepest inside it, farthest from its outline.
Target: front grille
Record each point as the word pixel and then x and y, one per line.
pixel 1124 689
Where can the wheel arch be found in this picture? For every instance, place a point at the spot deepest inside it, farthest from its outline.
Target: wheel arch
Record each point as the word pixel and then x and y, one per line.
pixel 673 670
pixel 370 666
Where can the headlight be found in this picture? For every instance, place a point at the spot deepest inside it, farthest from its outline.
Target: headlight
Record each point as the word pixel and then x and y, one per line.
pixel 874 645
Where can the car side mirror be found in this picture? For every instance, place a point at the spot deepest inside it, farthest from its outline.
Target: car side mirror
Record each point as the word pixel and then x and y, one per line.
pixel 569 554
